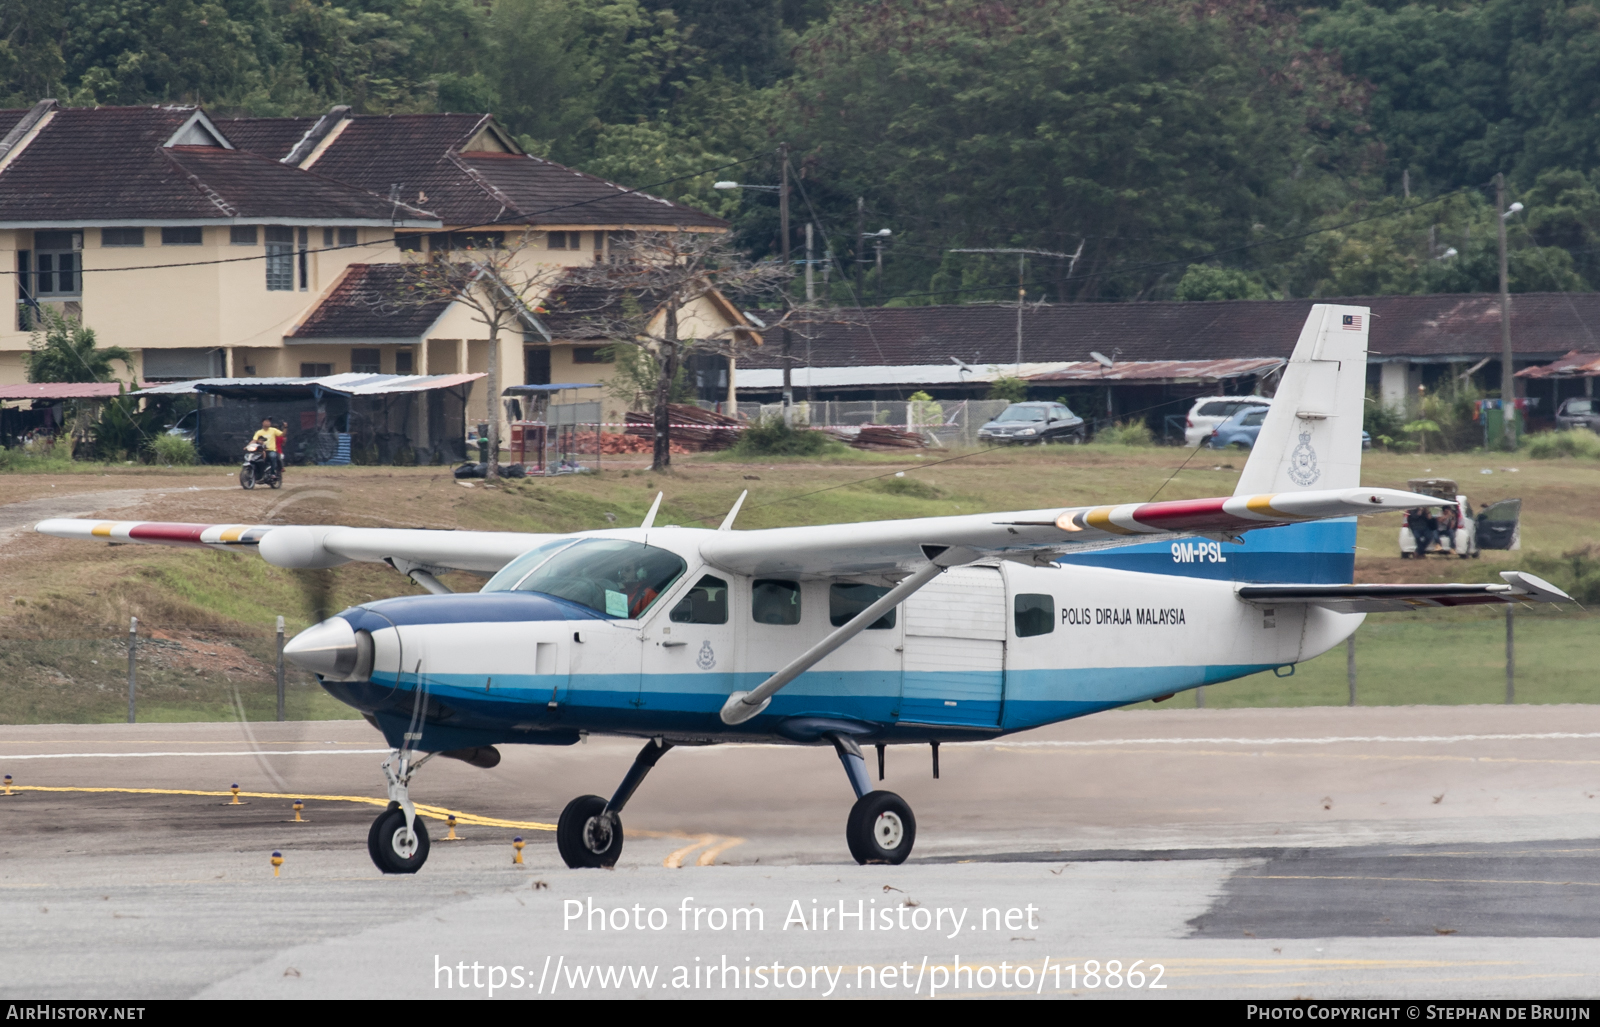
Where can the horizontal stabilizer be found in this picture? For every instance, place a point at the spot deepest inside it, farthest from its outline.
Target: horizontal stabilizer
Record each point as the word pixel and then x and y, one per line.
pixel 1519 588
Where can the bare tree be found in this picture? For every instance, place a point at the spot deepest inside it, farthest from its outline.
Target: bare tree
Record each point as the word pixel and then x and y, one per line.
pixel 493 277
pixel 640 299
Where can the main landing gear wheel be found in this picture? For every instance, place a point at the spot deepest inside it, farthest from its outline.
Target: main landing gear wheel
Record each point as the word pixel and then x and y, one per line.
pixel 881 829
pixel 585 837
pixel 388 846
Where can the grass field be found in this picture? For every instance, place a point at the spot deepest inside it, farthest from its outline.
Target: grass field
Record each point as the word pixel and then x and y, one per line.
pixel 65 605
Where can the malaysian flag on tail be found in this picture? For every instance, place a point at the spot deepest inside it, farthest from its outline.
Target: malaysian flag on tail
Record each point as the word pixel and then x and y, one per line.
pixel 1352 322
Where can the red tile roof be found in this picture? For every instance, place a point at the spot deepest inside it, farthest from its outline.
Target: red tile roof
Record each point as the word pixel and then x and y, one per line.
pixel 110 164
pixel 369 302
pixel 421 155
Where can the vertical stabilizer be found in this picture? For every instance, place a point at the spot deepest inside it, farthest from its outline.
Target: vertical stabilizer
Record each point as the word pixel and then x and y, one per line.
pixel 1311 439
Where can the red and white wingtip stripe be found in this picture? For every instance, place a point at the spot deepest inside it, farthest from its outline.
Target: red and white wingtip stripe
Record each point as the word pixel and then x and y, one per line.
pixel 157 533
pixel 1237 513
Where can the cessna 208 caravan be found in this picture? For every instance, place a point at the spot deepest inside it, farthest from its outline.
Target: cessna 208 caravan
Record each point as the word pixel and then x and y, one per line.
pixel 920 631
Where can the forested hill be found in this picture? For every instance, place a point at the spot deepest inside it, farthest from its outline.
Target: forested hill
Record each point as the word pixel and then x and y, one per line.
pixel 1188 148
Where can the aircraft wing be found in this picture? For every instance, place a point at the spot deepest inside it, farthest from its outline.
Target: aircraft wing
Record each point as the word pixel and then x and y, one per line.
pixel 1519 588
pixel 889 547
pixel 314 546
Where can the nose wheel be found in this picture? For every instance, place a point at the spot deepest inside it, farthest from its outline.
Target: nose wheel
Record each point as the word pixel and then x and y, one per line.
pixel 393 848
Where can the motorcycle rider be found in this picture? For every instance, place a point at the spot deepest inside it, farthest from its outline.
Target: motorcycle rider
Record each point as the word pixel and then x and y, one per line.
pixel 268 436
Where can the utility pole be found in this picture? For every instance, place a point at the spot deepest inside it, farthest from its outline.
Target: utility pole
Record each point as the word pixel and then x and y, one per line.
pixel 861 235
pixel 1508 383
pixel 811 293
pixel 877 245
pixel 783 220
pixel 1022 294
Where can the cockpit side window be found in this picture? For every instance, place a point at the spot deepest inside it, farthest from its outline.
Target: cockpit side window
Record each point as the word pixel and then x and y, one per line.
pixel 513 573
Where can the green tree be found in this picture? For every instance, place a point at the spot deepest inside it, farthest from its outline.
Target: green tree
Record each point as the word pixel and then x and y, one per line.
pixel 1203 282
pixel 64 350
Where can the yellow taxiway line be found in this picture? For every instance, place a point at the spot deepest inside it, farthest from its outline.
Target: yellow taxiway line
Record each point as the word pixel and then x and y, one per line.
pixel 718 843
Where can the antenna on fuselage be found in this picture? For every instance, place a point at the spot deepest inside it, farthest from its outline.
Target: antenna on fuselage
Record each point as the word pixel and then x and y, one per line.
pixel 650 518
pixel 727 522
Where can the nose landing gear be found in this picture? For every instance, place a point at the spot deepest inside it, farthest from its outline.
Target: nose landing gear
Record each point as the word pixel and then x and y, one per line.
pixel 398 840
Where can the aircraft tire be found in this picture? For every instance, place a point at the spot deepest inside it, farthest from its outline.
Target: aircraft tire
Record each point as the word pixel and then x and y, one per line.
pixel 881 829
pixel 577 840
pixel 383 843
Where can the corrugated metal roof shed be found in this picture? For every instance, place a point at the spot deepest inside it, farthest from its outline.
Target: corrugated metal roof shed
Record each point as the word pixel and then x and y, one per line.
pixel 349 384
pixel 1154 371
pixel 60 390
pixel 1573 365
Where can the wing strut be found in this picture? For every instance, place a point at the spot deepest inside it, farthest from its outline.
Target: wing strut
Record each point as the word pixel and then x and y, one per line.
pixel 727 522
pixel 650 518
pixel 741 706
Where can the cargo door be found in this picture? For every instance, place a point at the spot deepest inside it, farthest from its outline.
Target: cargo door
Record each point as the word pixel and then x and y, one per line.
pixel 955 650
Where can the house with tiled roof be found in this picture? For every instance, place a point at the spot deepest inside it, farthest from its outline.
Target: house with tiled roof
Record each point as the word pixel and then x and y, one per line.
pixel 236 247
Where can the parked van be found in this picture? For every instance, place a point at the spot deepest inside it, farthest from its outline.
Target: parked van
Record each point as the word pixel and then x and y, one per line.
pixel 1209 412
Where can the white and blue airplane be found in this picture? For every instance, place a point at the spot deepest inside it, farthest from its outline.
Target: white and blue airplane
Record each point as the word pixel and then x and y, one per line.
pixel 884 633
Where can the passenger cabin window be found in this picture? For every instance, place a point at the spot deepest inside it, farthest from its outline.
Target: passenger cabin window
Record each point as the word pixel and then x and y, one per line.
pixel 1035 615
pixel 775 602
pixel 706 603
pixel 846 599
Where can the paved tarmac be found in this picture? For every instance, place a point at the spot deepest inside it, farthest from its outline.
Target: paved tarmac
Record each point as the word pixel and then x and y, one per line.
pixel 1327 853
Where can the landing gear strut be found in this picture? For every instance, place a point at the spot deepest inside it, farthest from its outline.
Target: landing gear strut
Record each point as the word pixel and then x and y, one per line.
pixel 881 828
pixel 589 833
pixel 398 840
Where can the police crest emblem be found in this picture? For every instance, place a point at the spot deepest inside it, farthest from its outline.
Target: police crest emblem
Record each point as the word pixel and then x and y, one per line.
pixel 1303 469
pixel 707 658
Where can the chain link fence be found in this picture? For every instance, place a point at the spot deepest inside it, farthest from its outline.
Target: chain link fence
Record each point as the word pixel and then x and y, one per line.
pixel 947 423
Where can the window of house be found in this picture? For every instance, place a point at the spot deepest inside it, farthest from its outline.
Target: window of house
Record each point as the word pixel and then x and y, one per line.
pixel 775 602
pixel 706 603
pixel 593 355
pixel 315 370
pixel 338 237
pixel 564 240
pixel 365 361
pixel 404 363
pixel 1035 615
pixel 185 235
pixel 280 259
pixel 846 599
pixel 347 237
pixel 409 242
pixel 305 261
pixel 56 264
pixel 121 237
pixel 242 235
pixel 535 365
pixel 467 240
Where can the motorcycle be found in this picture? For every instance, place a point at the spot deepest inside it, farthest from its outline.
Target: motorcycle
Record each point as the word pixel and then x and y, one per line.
pixel 259 468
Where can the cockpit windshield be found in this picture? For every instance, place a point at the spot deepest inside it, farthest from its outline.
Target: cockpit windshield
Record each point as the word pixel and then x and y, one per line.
pixel 513 573
pixel 609 576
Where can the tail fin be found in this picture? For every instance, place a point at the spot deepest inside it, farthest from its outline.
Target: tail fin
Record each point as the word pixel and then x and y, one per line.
pixel 1311 439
